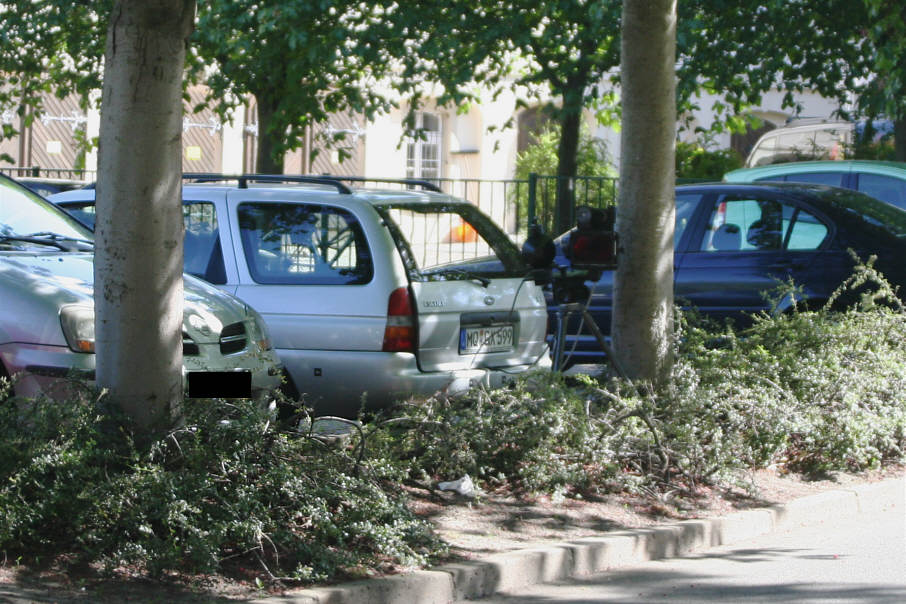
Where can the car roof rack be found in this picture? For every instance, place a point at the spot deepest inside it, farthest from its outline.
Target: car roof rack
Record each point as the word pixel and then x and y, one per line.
pixel 325 179
pixel 244 179
pixel 425 184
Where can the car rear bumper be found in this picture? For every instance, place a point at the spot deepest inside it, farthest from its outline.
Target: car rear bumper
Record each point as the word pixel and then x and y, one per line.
pixel 344 382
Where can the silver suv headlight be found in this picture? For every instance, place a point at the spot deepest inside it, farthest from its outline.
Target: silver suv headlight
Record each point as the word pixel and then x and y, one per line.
pixel 77 322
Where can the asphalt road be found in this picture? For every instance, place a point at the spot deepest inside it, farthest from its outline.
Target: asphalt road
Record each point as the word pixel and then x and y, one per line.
pixel 860 559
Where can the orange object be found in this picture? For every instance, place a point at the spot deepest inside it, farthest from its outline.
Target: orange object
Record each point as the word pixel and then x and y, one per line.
pixel 462 233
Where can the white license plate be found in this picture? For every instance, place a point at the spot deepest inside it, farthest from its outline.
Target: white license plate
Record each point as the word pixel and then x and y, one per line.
pixel 485 339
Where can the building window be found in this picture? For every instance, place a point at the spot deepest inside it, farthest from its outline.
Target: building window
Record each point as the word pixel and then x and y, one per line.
pixel 423 152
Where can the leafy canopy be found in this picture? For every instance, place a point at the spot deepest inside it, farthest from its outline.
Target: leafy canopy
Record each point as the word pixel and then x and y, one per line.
pixel 302 61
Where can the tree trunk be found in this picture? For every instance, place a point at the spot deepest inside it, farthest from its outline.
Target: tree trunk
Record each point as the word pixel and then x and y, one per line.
pixel 642 326
pixel 266 163
pixel 139 231
pixel 899 138
pixel 568 161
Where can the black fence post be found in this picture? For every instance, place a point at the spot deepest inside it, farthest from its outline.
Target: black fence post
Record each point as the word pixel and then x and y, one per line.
pixel 532 198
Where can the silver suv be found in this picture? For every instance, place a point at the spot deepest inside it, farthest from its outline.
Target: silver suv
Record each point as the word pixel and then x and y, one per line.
pixel 370 295
pixel 47 315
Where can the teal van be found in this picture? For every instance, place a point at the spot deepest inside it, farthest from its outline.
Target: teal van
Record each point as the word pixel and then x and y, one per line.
pixel 882 180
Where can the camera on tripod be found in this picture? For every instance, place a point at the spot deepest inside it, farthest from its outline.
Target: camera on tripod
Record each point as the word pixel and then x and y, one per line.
pixel 592 244
pixel 591 248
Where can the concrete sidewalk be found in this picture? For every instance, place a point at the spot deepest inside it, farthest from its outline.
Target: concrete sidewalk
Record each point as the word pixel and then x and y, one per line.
pixel 522 568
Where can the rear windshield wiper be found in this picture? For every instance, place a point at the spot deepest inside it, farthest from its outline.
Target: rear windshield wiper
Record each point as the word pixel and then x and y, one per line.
pixel 460 275
pixel 61 242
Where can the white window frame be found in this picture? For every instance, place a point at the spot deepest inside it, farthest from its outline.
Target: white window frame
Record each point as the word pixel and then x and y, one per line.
pixel 419 150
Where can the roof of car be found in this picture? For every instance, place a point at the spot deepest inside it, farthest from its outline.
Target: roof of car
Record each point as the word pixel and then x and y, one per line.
pixel 800 167
pixel 410 191
pixel 323 193
pixel 811 191
pixel 751 186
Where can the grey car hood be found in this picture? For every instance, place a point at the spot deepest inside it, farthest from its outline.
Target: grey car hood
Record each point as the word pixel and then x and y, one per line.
pixel 35 286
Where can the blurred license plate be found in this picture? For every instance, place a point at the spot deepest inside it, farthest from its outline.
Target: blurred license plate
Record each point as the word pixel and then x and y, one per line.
pixel 219 384
pixel 485 339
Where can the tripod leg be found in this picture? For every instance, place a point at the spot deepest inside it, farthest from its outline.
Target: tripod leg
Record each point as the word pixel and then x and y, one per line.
pixel 559 339
pixel 604 345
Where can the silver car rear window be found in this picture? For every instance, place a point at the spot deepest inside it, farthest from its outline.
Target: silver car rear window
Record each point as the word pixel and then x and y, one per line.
pixel 303 244
pixel 451 240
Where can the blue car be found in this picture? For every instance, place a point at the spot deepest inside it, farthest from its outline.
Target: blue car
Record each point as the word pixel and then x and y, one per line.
pixel 735 242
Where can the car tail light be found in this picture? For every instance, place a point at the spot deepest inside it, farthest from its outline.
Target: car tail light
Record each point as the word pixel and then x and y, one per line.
pixel 400 333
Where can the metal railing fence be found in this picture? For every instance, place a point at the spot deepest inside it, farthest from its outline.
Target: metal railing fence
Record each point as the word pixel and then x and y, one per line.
pixel 39 172
pixel 513 204
pixel 516 203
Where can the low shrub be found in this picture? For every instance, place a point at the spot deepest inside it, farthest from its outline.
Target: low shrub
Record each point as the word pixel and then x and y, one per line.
pixel 225 490
pixel 535 436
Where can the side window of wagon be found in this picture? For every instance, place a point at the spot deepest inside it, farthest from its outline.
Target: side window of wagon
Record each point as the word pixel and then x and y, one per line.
pixel 303 244
pixel 202 250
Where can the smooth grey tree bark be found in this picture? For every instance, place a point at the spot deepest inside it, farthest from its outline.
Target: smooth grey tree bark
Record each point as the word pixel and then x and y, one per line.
pixel 642 324
pixel 139 231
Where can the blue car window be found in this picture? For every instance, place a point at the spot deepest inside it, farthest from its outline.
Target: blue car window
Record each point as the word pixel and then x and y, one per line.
pixel 745 225
pixel 833 179
pixel 303 244
pixel 83 212
pixel 887 189
pixel 761 225
pixel 808 233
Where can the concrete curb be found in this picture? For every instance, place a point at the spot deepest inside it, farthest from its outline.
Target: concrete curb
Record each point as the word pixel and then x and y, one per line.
pixel 522 568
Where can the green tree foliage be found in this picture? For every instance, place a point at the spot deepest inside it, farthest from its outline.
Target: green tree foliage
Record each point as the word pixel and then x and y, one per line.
pixel 302 62
pixel 841 49
pixel 555 53
pixel 595 185
pixel 695 160
pixel 742 50
pixel 52 46
pixel 592 156
pixel 887 92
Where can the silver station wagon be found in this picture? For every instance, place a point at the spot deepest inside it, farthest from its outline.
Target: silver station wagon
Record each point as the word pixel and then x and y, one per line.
pixel 370 295
pixel 47 312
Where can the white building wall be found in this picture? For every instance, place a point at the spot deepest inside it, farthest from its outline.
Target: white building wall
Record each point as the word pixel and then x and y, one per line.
pixel 771 110
pixel 471 151
pixel 498 150
pixel 384 155
pixel 233 131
